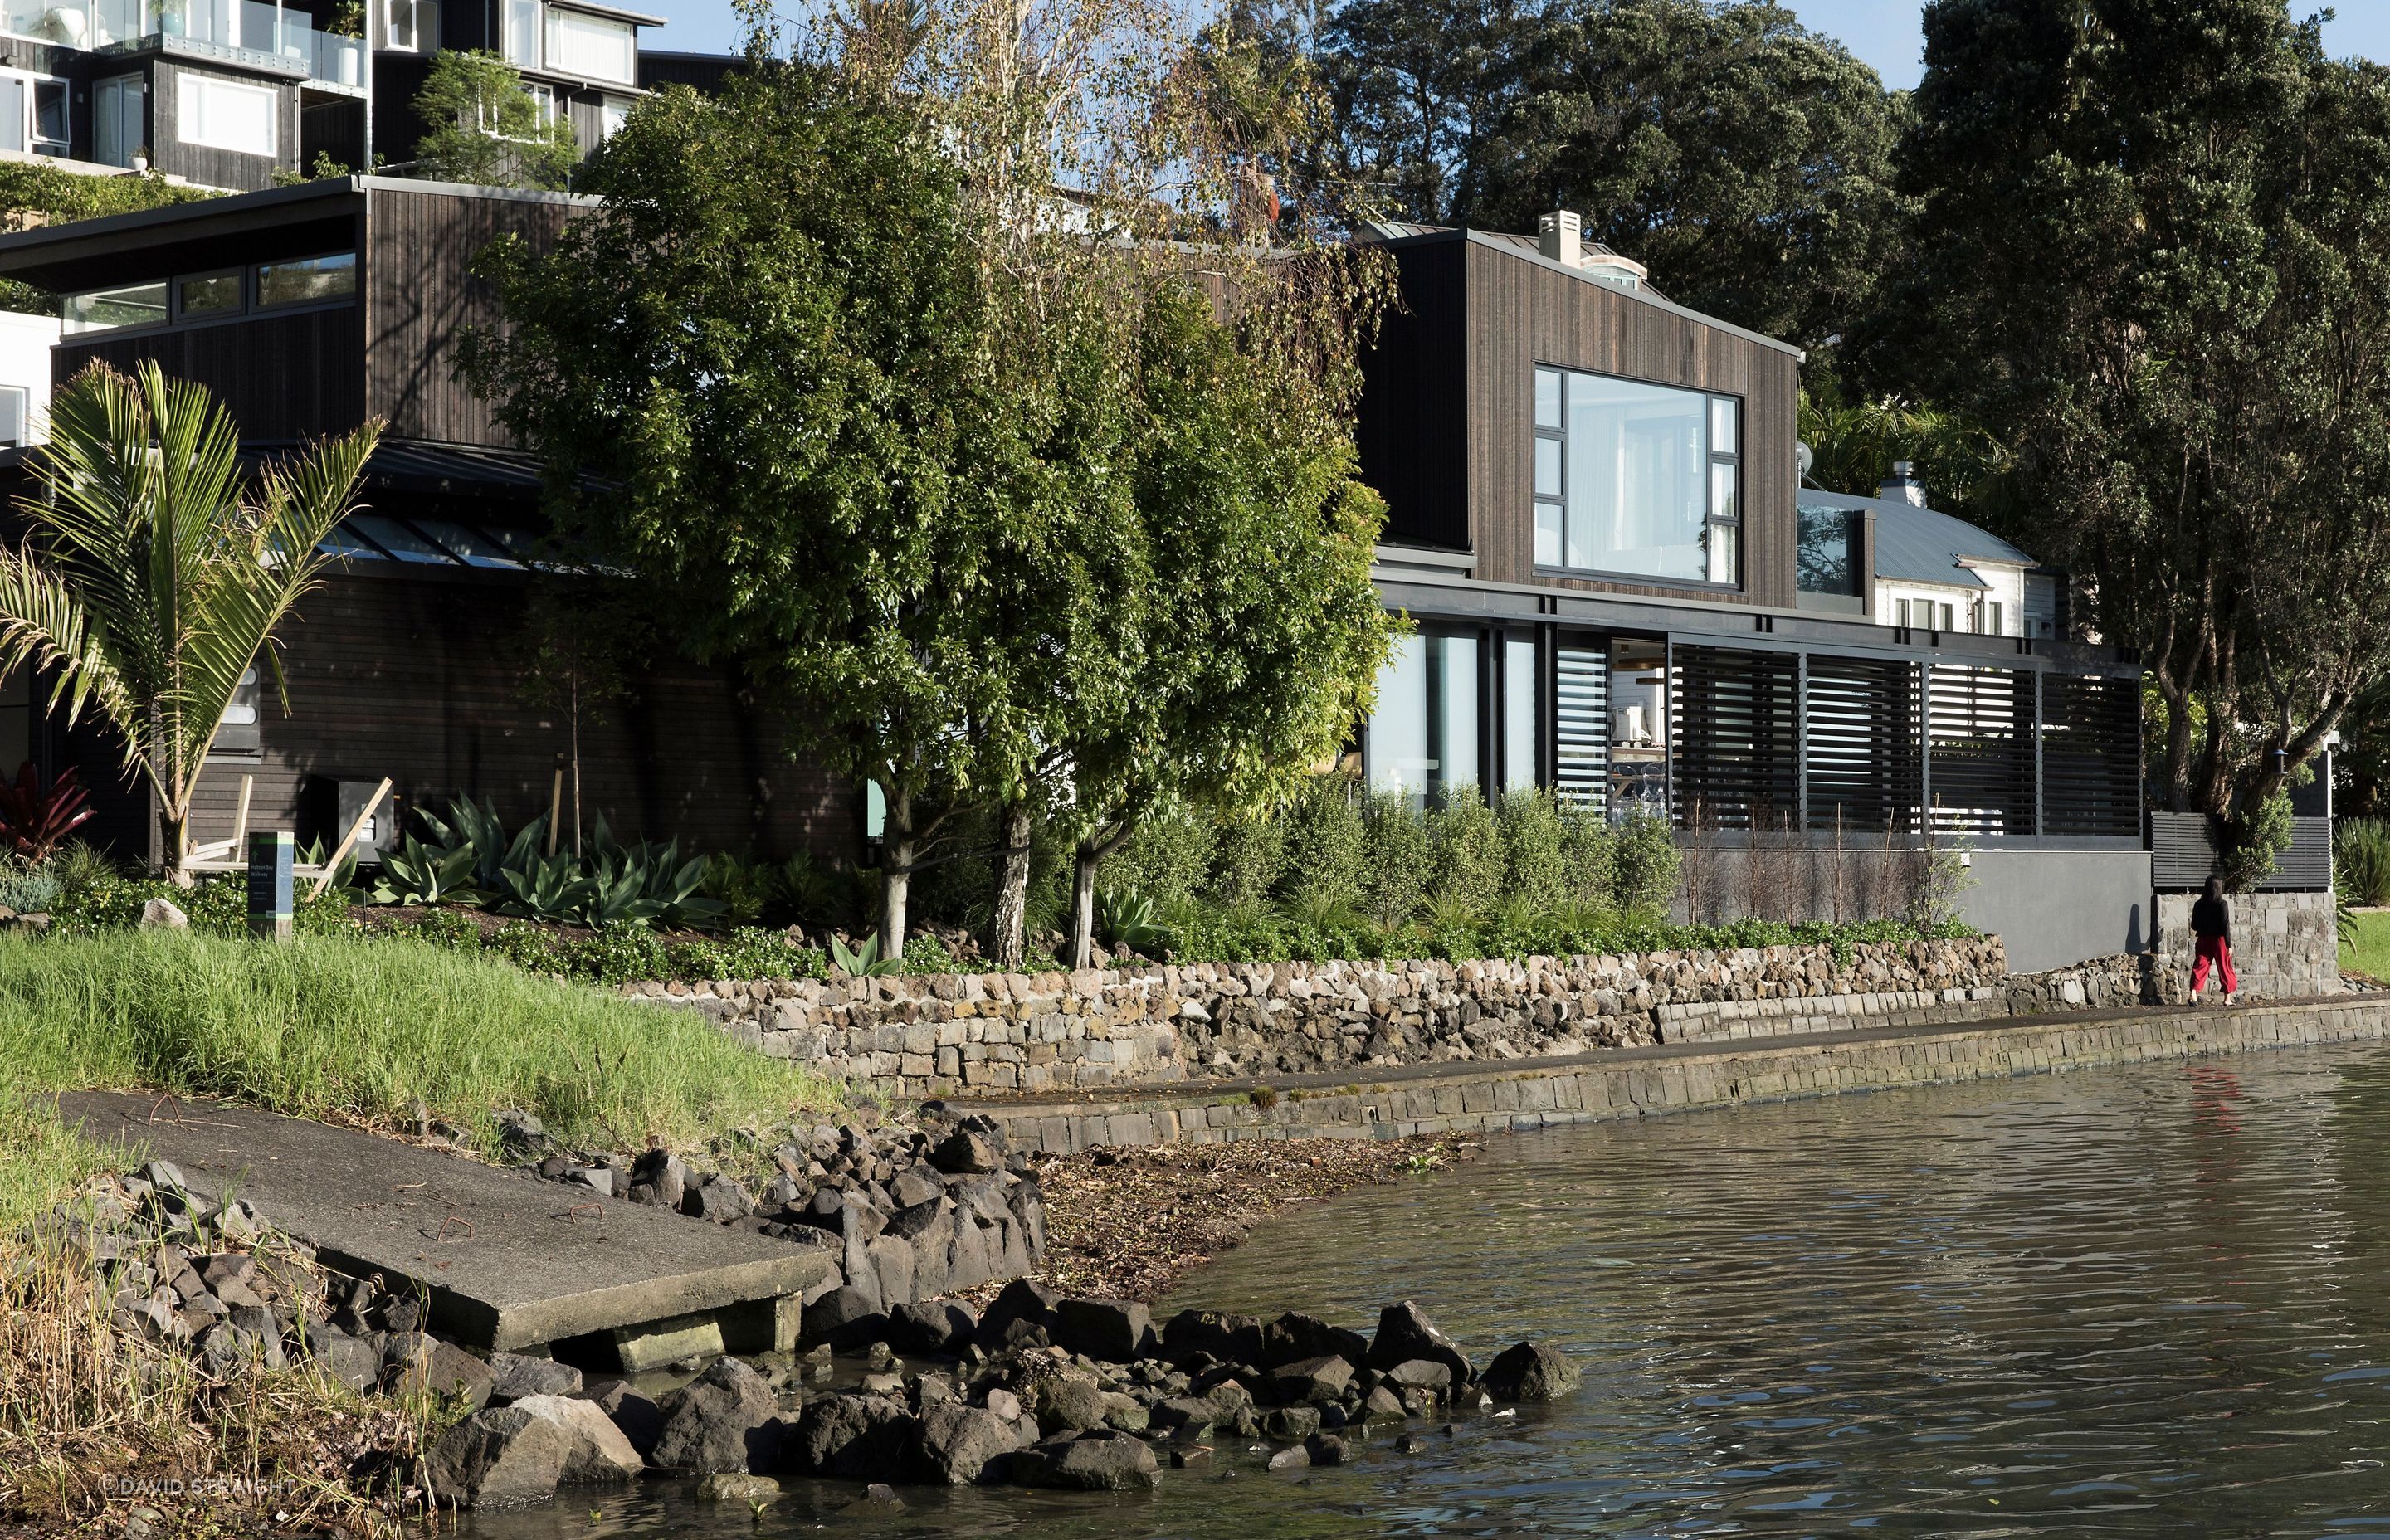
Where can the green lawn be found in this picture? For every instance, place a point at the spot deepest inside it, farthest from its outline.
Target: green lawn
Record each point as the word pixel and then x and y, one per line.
pixel 356 1028
pixel 2371 952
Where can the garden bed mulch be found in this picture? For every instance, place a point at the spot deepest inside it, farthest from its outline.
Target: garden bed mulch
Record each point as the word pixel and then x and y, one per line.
pixel 1129 1224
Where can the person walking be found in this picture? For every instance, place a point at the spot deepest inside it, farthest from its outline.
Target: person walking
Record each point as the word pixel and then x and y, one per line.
pixel 2211 925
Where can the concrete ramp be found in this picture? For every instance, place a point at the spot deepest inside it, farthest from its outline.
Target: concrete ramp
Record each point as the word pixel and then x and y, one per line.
pixel 506 1261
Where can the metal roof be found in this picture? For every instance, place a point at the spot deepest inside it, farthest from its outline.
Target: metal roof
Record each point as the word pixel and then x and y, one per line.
pixel 1914 544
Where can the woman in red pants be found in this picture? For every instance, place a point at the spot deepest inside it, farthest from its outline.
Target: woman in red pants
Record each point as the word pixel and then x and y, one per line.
pixel 2211 923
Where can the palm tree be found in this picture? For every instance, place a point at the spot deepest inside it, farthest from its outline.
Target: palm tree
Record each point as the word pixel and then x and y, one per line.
pixel 157 566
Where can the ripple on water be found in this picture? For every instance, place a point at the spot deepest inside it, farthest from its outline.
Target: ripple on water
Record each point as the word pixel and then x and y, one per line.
pixel 2134 1302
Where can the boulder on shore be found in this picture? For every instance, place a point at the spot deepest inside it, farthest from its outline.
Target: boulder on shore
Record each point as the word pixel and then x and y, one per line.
pixel 962 1446
pixel 855 1437
pixel 1404 1334
pixel 498 1458
pixel 1104 1461
pixel 1114 1331
pixel 595 1449
pixel 724 1420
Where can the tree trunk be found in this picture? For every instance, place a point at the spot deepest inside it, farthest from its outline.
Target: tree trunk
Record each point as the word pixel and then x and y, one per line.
pixel 896 871
pixel 176 833
pixel 1008 937
pixel 1083 903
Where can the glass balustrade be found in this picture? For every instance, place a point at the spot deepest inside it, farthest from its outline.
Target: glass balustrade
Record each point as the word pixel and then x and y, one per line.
pixel 249 25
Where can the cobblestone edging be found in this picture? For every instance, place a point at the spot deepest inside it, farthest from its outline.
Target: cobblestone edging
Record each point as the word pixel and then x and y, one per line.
pixel 1634 1082
pixel 994 1034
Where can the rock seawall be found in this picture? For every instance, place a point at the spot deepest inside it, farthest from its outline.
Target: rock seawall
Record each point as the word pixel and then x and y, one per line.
pixel 980 1034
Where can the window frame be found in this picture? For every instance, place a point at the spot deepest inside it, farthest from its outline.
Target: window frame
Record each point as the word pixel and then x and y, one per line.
pixel 192 90
pixel 67 327
pixel 1714 525
pixel 259 306
pixel 177 315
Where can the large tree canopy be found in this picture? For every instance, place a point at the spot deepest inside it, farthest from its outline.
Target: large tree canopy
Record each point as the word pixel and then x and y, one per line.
pixel 1746 160
pixel 2150 259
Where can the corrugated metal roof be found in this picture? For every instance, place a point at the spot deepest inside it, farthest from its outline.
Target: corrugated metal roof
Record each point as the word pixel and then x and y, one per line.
pixel 1914 544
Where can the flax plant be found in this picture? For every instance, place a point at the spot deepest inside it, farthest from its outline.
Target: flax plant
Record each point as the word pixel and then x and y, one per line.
pixel 159 566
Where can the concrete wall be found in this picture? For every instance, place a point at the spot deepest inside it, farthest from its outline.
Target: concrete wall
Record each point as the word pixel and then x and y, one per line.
pixel 2056 908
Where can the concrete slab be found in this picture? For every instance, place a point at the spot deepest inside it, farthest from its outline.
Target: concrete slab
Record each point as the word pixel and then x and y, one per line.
pixel 506 1261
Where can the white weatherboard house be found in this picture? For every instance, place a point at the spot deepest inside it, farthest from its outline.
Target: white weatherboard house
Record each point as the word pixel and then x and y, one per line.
pixel 1934 573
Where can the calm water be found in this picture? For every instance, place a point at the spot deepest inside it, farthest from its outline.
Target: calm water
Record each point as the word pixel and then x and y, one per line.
pixel 2150 1302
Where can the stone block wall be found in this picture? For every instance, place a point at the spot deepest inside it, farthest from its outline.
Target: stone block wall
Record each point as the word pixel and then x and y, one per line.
pixel 2285 946
pixel 1010 1034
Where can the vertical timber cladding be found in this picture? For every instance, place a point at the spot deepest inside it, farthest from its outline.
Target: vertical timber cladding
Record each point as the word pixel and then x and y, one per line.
pixel 1979 751
pixel 1581 724
pixel 2092 755
pixel 1734 738
pixel 1865 752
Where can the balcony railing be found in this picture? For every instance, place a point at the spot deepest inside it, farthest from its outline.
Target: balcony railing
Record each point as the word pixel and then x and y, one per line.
pixel 241 27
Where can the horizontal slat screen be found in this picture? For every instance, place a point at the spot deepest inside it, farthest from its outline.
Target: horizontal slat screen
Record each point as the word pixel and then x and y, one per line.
pixel 1581 732
pixel 1735 731
pixel 2092 755
pixel 1981 764
pixel 2182 854
pixel 1864 760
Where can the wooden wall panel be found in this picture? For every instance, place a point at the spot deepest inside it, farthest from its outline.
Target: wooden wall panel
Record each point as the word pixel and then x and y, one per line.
pixel 210 167
pixel 1522 314
pixel 413 679
pixel 282 377
pixel 1413 431
pixel 420 297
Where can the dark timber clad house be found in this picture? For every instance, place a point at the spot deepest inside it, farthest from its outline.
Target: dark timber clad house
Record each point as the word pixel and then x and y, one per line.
pixel 308 310
pixel 229 93
pixel 1596 521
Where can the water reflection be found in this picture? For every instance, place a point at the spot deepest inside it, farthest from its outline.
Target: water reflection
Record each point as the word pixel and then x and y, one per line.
pixel 2138 1302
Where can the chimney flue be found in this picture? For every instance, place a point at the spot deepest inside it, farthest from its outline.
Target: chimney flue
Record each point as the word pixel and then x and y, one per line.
pixel 1902 485
pixel 1561 236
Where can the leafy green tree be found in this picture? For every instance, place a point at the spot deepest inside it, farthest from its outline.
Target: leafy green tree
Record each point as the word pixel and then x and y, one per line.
pixel 33 193
pixel 2150 260
pixel 1855 443
pixel 157 567
pixel 1745 160
pixel 482 126
pixel 771 346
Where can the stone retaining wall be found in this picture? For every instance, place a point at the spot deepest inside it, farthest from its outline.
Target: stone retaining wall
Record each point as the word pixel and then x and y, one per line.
pixel 2285 946
pixel 1633 1083
pixel 996 1032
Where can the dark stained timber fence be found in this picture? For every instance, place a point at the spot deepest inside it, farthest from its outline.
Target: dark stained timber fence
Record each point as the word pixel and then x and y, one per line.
pixel 1735 737
pixel 1865 762
pixel 2092 755
pixel 1980 760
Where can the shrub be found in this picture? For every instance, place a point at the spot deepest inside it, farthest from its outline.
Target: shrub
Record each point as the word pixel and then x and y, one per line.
pixel 1647 863
pixel 1534 848
pixel 1248 854
pixel 2360 854
pixel 1466 852
pixel 1325 845
pixel 1589 855
pixel 1394 869
pixel 1166 858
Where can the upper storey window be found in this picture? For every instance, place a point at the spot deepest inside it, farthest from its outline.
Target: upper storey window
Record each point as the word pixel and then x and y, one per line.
pixel 221 296
pixel 595 47
pixel 1637 480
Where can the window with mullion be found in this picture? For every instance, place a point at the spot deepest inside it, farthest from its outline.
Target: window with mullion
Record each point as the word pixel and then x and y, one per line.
pixel 1637 481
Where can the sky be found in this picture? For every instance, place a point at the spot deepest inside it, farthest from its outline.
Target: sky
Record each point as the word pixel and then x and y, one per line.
pixel 1883 33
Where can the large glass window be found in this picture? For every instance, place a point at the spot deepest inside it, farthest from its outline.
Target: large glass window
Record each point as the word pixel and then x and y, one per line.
pixel 1637 480
pixel 238 734
pixel 523 33
pixel 1823 563
pixel 140 304
pixel 1422 738
pixel 595 47
pixel 208 295
pixel 223 114
pixel 315 280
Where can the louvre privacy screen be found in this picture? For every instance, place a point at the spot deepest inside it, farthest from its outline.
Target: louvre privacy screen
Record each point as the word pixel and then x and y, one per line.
pixel 1857 746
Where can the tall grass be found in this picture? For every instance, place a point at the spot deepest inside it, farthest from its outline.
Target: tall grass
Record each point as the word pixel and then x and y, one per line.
pixel 356 1029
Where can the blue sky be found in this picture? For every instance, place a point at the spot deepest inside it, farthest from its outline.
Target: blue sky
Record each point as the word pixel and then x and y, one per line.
pixel 1883 33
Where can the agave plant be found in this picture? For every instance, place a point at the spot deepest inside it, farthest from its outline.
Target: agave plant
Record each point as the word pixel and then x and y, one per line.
pixel 1130 921
pixel 477 827
pixel 34 819
pixel 549 888
pixel 652 877
pixel 864 962
pixel 425 875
